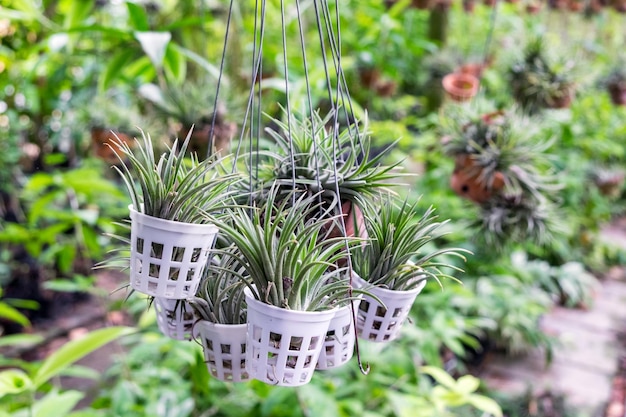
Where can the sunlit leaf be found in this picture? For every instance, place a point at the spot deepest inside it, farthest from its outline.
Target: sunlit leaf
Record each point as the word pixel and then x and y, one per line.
pixel 154 45
pixel 76 349
pixel 14 381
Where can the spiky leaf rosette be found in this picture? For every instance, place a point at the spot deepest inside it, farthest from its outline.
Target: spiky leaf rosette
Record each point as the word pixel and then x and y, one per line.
pixel 220 297
pixel 313 158
pixel 508 218
pixel 171 186
pixel 399 254
pixel 538 82
pixel 280 248
pixel 500 142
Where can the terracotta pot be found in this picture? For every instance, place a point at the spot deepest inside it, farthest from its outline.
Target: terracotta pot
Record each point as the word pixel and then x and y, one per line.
pixel 459 86
pixel 101 137
pixel 222 133
pixel 386 88
pixel 575 5
pixel 618 95
pixel 469 6
pixel 466 180
pixel 533 8
pixel 369 77
pixel 562 101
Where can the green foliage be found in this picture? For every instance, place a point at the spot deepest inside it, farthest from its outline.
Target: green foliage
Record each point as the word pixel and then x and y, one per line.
pixel 18 387
pixel 395 256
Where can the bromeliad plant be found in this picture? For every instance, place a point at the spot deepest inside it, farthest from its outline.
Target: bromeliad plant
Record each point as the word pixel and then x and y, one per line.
pixel 220 297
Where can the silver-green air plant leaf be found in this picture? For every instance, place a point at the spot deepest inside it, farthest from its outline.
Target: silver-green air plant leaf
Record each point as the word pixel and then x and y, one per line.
pixel 173 187
pixel 280 246
pixel 398 255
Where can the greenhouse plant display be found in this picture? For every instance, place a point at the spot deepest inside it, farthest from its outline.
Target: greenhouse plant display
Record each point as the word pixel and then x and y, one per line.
pixel 538 82
pixel 460 86
pixel 170 238
pixel 615 83
pixel 394 265
pixel 292 290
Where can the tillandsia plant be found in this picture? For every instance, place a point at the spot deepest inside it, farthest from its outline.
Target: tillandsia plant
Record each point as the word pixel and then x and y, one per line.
pixel 172 187
pixel 311 158
pixel 398 255
pixel 538 82
pixel 495 152
pixel 615 82
pixel 281 248
pixel 220 298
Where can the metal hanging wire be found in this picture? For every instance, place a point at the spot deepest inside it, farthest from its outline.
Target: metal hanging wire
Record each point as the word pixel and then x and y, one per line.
pixel 328 26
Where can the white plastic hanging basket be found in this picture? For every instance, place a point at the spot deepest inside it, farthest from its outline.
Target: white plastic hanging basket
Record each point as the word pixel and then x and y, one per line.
pixel 167 257
pixel 224 348
pixel 377 323
pixel 339 342
pixel 283 345
pixel 175 318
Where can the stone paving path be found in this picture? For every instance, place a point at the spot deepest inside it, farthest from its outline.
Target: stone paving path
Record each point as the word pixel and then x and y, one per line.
pixel 592 340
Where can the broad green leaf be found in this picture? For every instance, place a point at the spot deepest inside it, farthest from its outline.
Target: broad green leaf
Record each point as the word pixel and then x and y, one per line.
pixel 57 404
pixel 20 340
pixel 137 16
pixel 467 384
pixel 14 381
pixel 9 313
pixel 76 349
pixel 114 68
pixel 154 45
pixel 78 11
pixel 439 375
pixel 210 68
pixel 175 64
pixel 486 404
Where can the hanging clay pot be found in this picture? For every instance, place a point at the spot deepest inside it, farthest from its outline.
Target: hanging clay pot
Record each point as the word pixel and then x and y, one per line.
pixel 562 100
pixel 618 94
pixel 100 137
pixel 466 180
pixel 223 132
pixel 533 8
pixel 459 86
pixel 369 77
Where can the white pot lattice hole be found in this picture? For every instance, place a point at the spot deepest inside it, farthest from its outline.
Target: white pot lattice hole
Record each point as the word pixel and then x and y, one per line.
pixel 377 323
pixel 224 347
pixel 339 341
pixel 284 345
pixel 167 257
pixel 175 318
